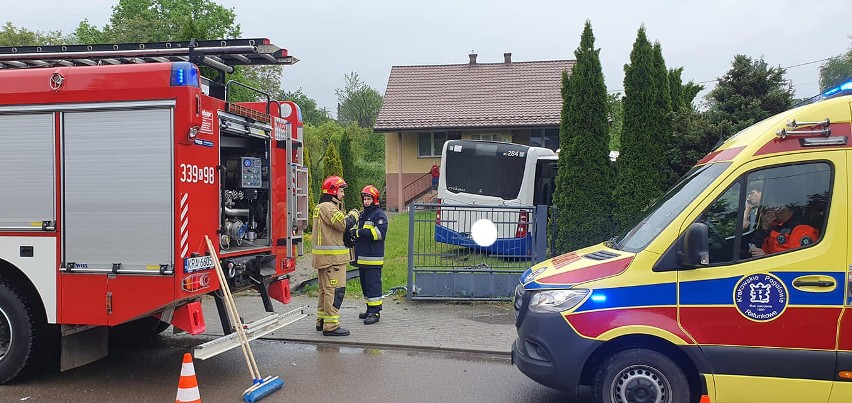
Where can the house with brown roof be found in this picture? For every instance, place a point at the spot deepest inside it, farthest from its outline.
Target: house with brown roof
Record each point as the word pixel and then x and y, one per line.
pixel 424 106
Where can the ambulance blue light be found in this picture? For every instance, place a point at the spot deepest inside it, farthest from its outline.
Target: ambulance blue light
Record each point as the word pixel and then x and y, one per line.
pixel 847 86
pixel 598 297
pixel 184 74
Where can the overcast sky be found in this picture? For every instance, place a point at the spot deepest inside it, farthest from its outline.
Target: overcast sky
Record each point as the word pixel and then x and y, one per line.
pixel 334 37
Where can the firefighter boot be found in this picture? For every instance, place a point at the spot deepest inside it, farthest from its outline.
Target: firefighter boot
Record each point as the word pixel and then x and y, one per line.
pixel 362 315
pixel 319 325
pixel 336 332
pixel 371 318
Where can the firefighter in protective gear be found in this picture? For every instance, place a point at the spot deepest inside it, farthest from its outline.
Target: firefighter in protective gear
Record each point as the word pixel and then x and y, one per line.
pixel 369 234
pixel 330 256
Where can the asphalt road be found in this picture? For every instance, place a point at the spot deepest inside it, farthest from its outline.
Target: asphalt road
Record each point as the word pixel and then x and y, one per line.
pixel 313 373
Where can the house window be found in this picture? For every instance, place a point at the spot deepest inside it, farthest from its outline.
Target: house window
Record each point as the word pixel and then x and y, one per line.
pixel 548 138
pixel 430 144
pixel 487 137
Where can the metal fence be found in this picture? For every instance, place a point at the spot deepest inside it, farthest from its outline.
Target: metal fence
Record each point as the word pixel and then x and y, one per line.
pixel 444 263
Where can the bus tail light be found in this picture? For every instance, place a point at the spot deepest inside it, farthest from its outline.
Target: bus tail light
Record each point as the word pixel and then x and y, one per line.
pixel 523 224
pixel 438 213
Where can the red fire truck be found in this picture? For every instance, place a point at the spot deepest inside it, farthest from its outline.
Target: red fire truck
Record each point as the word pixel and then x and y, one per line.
pixel 115 162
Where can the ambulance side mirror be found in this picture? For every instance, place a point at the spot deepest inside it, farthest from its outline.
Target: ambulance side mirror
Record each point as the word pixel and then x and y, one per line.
pixel 694 247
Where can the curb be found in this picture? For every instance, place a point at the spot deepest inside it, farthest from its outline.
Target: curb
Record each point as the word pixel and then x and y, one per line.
pixel 338 341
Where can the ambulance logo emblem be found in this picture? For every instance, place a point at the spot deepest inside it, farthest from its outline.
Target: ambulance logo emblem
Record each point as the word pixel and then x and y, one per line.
pixel 760 293
pixel 760 297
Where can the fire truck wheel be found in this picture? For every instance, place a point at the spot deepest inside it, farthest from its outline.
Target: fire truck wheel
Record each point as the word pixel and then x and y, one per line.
pixel 137 331
pixel 640 375
pixel 19 323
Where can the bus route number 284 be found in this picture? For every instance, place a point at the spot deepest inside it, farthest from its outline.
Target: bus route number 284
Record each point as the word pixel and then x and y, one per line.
pixel 192 173
pixel 514 153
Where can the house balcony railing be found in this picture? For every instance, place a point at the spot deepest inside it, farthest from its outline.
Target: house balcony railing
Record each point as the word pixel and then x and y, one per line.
pixel 417 188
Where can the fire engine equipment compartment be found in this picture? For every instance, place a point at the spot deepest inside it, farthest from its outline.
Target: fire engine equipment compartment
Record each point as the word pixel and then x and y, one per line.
pixel 245 193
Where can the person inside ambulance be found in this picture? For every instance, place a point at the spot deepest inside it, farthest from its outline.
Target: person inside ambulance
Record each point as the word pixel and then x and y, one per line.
pixel 755 191
pixel 780 230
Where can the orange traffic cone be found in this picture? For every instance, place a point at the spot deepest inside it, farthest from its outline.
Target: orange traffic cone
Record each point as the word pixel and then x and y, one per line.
pixel 188 385
pixel 705 399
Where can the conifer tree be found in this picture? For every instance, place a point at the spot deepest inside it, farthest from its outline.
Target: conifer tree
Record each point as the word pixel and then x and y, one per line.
pixel 661 139
pixel 583 184
pixel 312 198
pixel 676 89
pixel 748 93
pixel 332 165
pixel 350 170
pixel 639 179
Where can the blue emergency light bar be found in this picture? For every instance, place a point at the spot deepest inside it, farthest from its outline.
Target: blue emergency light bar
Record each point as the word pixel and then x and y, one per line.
pixel 841 89
pixel 184 74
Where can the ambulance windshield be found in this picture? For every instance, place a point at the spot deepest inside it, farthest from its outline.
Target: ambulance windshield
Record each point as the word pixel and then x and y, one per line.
pixel 664 211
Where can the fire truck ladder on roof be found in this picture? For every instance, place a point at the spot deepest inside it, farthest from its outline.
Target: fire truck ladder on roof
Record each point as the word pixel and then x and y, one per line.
pixel 221 55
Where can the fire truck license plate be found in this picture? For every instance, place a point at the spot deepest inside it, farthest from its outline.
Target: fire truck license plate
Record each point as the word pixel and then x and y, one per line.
pixel 192 264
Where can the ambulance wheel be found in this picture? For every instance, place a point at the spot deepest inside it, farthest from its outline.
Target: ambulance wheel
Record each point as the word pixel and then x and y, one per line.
pixel 640 376
pixel 19 330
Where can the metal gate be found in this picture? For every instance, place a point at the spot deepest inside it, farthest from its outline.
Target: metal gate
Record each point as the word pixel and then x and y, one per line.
pixel 444 263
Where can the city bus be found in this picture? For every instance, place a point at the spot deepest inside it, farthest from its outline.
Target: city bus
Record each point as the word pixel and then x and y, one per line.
pixel 498 179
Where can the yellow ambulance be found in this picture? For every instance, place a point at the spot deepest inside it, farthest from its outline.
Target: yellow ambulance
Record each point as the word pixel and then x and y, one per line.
pixel 734 287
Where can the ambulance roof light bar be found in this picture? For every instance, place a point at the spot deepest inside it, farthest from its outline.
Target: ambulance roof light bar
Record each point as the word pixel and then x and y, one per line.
pixel 836 91
pixel 842 89
pixel 221 55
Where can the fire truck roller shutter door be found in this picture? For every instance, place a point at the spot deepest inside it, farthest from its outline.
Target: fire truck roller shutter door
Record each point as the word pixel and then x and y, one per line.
pixel 27 150
pixel 118 188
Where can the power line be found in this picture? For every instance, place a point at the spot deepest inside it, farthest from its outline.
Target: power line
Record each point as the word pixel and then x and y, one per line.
pixel 807 63
pixel 785 68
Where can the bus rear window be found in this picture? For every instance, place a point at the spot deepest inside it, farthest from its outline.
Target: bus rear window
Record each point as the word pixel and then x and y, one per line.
pixel 487 169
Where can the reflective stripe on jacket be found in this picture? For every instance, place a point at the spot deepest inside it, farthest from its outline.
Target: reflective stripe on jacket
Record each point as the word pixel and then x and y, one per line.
pixel 370 243
pixel 329 224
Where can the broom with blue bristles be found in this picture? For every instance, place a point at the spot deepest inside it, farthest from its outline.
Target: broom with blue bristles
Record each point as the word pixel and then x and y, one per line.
pixel 261 387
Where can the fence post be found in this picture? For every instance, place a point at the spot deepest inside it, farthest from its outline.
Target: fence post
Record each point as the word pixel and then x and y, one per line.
pixel 540 233
pixel 410 287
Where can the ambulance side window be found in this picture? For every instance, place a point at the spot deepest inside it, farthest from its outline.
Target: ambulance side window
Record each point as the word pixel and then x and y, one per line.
pixel 792 203
pixel 781 208
pixel 721 221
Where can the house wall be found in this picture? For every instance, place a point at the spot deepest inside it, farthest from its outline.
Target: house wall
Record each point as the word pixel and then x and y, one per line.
pixel 411 163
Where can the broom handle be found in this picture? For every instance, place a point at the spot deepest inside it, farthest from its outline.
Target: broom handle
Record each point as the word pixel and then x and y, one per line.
pixel 232 311
pixel 231 307
pixel 241 330
pixel 235 317
pixel 228 306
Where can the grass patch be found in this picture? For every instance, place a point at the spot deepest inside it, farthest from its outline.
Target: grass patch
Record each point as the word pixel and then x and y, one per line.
pixel 395 271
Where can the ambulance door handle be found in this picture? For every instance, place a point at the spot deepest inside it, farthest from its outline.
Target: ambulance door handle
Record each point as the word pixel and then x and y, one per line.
pixel 815 283
pixel 819 283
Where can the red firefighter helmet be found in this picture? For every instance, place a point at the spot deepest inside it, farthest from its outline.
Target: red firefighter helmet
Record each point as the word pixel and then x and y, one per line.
pixel 331 184
pixel 371 190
